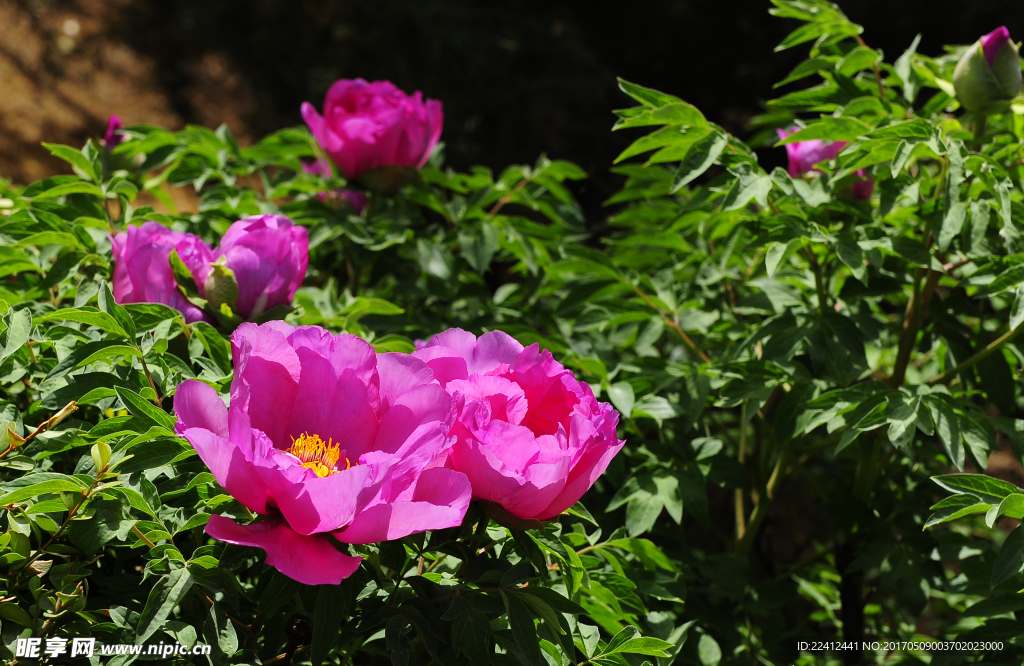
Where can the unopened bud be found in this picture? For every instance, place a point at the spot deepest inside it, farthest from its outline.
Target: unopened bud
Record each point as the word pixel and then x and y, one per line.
pixel 221 286
pixel 100 455
pixel 988 75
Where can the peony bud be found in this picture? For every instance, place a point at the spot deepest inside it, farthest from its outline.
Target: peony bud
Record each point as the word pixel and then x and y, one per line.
pixel 113 136
pixel 221 287
pixel 988 75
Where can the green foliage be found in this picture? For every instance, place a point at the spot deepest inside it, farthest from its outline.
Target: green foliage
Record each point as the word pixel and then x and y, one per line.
pixel 791 365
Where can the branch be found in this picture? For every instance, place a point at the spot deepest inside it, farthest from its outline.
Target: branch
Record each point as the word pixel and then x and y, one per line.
pixel 878 72
pixel 761 508
pixel 947 376
pixel 673 324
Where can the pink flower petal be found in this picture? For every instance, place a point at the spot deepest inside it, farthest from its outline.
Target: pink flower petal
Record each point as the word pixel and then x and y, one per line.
pixel 197 405
pixel 439 500
pixel 231 467
pixel 312 560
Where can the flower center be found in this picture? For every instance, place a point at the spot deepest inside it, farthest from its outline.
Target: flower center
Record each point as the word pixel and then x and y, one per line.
pixel 316 454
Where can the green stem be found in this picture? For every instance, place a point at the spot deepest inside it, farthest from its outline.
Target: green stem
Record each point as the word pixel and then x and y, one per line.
pixel 761 508
pixel 741 516
pixel 867 469
pixel 991 347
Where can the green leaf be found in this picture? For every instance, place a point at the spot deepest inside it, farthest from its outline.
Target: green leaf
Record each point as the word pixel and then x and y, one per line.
pixel 1012 506
pixel 18 328
pixel 471 631
pixel 646 96
pixel 478 246
pixel 79 187
pixel 280 591
pixel 90 316
pixel 645 645
pixel 396 637
pixel 108 305
pixel 952 224
pixel 837 27
pixel 13 260
pixel 327 617
pixel 621 395
pixel 73 157
pixel 829 128
pixel 48 487
pixel 701 155
pixel 580 511
pixel 956 507
pixel 141 407
pixel 981 486
pixel 902 154
pixel 808 67
pixel 92 352
pixel 646 551
pixel 1010 560
pixel 708 650
pixel 524 631
pixel 553 599
pixel 166 594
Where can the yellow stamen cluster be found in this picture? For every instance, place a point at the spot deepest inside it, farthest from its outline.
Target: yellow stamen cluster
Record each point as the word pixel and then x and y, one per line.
pixel 316 454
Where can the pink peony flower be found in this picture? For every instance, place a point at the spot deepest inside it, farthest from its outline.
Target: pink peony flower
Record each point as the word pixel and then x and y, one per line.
pixel 328 439
pixel 355 200
pixel 371 125
pixel 804 155
pixel 268 255
pixel 142 270
pixel 113 137
pixel 529 436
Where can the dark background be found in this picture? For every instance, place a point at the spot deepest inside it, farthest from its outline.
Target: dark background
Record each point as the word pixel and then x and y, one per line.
pixel 517 78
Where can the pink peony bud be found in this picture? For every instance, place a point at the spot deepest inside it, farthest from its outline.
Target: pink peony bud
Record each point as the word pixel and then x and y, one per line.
pixel 988 75
pixel 372 125
pixel 113 137
pixel 357 201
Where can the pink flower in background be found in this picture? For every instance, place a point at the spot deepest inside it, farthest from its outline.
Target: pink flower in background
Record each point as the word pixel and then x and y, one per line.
pixel 267 254
pixel 804 155
pixel 328 439
pixel 369 125
pixel 142 270
pixel 113 137
pixel 529 435
pixel 356 200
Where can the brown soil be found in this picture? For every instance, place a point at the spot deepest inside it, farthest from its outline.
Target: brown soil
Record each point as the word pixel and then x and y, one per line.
pixel 64 71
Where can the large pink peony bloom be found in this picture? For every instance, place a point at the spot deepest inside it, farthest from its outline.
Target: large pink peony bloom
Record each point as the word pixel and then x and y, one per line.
pixel 371 125
pixel 328 439
pixel 530 437
pixel 804 155
pixel 142 269
pixel 268 255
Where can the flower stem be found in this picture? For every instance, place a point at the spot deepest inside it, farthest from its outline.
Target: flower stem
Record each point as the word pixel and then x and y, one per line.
pixel 991 347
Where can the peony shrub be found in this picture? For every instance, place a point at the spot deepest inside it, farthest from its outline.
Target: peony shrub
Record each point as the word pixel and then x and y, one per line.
pixel 377 411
